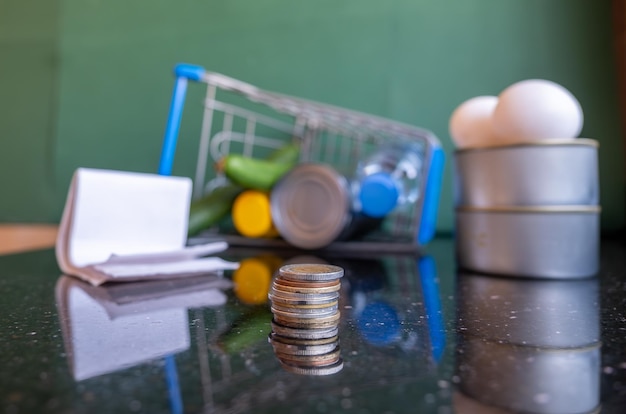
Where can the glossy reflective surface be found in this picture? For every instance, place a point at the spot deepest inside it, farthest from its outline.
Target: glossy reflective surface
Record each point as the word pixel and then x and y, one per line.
pixel 415 335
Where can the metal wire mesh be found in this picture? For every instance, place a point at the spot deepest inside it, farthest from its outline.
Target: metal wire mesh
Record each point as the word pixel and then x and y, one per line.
pixel 264 121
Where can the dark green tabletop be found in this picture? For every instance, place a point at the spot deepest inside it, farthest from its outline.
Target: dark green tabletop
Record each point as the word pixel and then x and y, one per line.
pixel 416 335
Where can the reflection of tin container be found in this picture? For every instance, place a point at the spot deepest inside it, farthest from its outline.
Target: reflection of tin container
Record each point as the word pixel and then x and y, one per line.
pixel 312 207
pixel 560 242
pixel 529 379
pixel 541 313
pixel 551 172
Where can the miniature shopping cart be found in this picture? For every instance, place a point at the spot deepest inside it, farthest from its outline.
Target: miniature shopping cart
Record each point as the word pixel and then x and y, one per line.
pixel 239 117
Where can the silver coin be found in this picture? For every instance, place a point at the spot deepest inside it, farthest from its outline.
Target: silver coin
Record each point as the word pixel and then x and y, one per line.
pixel 297 306
pixel 303 298
pixel 303 309
pixel 273 336
pixel 310 271
pixel 307 370
pixel 309 334
pixel 304 350
pixel 294 313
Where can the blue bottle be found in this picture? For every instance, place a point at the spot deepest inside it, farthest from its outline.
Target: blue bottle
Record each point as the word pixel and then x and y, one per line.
pixel 389 178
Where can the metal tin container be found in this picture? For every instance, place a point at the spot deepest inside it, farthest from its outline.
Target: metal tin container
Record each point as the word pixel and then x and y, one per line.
pixel 540 313
pixel 311 205
pixel 543 242
pixel 551 172
pixel 529 379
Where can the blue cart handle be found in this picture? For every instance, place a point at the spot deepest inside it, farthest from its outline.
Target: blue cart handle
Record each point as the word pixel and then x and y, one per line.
pixel 430 205
pixel 184 73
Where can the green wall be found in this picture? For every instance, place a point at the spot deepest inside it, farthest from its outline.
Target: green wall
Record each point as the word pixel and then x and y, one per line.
pixel 28 103
pixel 103 98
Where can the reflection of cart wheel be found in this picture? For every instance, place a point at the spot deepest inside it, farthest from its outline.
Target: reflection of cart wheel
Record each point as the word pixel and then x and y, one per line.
pixel 379 324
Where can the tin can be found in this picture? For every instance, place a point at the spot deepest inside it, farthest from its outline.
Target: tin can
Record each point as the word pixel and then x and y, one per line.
pixel 543 242
pixel 544 173
pixel 312 206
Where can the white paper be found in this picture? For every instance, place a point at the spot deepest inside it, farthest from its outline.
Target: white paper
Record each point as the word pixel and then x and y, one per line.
pixel 187 253
pixel 126 271
pixel 125 226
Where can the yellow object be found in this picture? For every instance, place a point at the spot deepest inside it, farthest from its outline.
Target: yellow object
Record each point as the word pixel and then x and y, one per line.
pixel 253 278
pixel 252 216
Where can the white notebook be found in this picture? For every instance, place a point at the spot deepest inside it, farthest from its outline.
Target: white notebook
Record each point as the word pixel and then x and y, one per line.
pixel 126 226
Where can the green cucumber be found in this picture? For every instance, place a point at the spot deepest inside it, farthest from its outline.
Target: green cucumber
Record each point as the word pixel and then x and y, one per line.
pixel 289 153
pixel 211 208
pixel 253 173
pixel 258 174
pixel 215 206
pixel 246 331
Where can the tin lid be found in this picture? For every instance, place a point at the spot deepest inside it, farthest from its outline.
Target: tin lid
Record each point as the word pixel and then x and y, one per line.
pixel 311 205
pixel 378 194
pixel 252 216
pixel 556 142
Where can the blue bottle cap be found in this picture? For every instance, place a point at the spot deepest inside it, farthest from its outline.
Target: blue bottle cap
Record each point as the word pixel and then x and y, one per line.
pixel 378 194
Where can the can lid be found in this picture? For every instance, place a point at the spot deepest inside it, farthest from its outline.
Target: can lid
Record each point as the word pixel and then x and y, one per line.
pixel 252 215
pixel 311 205
pixel 378 194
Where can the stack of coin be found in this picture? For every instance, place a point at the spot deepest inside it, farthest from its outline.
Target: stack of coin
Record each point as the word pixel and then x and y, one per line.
pixel 305 305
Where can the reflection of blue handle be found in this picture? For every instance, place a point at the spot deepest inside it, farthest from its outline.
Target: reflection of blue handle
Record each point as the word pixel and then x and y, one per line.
pixel 432 303
pixel 173 387
pixel 428 221
pixel 183 74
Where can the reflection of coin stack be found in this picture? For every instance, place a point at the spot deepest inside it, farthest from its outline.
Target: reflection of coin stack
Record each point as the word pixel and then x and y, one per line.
pixel 305 330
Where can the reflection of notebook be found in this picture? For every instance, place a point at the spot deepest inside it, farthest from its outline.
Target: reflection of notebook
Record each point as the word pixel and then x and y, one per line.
pixel 106 329
pixel 127 226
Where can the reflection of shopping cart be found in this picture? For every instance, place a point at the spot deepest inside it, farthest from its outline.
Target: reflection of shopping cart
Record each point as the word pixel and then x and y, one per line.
pixel 252 379
pixel 239 117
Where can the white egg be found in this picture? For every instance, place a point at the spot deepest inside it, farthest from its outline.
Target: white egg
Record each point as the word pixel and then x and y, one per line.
pixel 537 109
pixel 471 125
